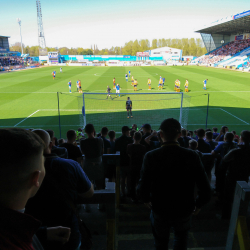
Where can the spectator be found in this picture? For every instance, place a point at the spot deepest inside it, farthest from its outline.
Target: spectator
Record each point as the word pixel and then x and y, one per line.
pixel 223 131
pixel 93 150
pixel 134 126
pixel 146 128
pixel 59 151
pixel 223 148
pixel 61 141
pixel 215 134
pixel 185 138
pixel 63 183
pixel 193 144
pixel 162 168
pixel 121 144
pixel 106 143
pixel 74 153
pixel 154 144
pixel 111 168
pixel 237 164
pixel 20 179
pixel 209 140
pixel 203 146
pixel 131 133
pixel 136 152
pixel 236 137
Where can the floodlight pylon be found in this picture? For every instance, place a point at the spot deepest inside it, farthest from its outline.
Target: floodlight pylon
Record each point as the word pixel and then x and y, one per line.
pixel 41 38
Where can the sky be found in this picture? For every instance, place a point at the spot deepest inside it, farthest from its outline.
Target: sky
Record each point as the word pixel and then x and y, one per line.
pixel 107 23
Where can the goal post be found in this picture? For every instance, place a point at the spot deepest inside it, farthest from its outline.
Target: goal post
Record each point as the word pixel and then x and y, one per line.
pixel 101 110
pixel 76 110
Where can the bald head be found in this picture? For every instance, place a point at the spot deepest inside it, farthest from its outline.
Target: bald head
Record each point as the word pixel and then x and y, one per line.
pixel 44 135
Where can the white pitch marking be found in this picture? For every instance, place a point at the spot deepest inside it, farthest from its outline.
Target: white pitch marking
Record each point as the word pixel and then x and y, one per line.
pixel 235 116
pixel 26 118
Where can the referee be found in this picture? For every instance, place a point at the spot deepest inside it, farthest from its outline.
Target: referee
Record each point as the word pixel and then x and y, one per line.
pixel 129 107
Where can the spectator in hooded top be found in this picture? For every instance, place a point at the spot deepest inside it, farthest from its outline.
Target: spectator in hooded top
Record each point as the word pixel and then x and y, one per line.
pixel 203 146
pixel 74 152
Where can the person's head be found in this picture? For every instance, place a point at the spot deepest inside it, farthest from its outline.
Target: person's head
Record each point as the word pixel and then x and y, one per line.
pixel 107 87
pixel 183 132
pixel 215 129
pixel 71 135
pixel 208 129
pixel 137 136
pixel 51 134
pixel 209 136
pixel 188 134
pixel 89 129
pixel 104 131
pixel 79 129
pixel 125 130
pixel 44 135
pixel 234 132
pixel 132 132
pixel 193 144
pixel 224 129
pixel 229 137
pixel 170 130
pixel 61 141
pixel 200 133
pixel 245 136
pixel 111 135
pixel 191 133
pixel 146 128
pixel 134 126
pixel 128 98
pixel 22 166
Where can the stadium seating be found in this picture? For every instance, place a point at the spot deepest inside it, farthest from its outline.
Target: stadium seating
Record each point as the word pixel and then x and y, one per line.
pixel 229 50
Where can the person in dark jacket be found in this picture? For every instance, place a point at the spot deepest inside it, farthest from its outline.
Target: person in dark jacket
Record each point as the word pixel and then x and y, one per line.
pixel 168 178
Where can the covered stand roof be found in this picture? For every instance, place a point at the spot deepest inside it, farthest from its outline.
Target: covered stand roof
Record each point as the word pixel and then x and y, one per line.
pixel 239 23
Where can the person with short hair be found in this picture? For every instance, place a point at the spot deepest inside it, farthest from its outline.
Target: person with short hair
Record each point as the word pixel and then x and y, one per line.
pixel 21 177
pixel 64 182
pixel 74 152
pixel 114 83
pixel 92 147
pixel 205 84
pixel 185 138
pixel 162 168
pixel 203 146
pixel 121 144
pixel 136 152
pixel 149 84
pixel 108 91
pixel 118 89
pixel 129 107
pixel 59 151
pixel 106 143
pixel 209 140
pixel 215 134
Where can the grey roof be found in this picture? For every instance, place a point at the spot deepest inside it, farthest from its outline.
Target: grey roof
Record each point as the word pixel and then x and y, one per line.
pixel 239 23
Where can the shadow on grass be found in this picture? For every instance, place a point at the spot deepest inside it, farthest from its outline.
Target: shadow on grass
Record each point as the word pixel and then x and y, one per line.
pixel 235 118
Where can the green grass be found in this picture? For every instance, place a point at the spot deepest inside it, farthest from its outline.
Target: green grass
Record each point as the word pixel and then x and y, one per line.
pixel 28 98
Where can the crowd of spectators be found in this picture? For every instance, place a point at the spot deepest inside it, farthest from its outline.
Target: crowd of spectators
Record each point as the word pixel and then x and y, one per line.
pixel 229 49
pixel 151 163
pixel 11 61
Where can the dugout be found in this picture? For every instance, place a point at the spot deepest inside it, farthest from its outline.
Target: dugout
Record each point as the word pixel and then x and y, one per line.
pixel 225 30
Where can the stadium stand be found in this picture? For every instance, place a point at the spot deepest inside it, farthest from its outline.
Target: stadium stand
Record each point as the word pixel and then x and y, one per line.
pixel 226 170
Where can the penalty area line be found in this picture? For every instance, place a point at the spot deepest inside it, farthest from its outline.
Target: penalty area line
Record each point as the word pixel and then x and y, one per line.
pixel 26 118
pixel 234 116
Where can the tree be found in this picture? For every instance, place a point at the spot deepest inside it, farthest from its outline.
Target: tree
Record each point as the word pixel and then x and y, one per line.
pixel 127 49
pixel 79 51
pixel 144 44
pixel 135 48
pixel 154 44
pixel 16 47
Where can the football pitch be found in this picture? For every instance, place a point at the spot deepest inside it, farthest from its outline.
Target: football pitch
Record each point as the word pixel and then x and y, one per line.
pixel 30 98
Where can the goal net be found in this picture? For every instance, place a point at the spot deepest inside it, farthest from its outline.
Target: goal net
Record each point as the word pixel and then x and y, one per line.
pixel 150 108
pixel 76 110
